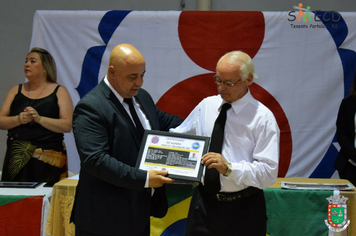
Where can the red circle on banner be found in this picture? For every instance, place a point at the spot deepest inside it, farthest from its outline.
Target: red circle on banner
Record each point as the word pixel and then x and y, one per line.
pixel 206 37
pixel 181 99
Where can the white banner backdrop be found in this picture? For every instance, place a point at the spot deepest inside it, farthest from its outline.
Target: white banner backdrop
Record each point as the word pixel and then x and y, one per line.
pixel 305 67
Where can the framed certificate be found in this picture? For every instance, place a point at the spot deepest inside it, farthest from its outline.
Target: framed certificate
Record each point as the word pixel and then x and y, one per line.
pixel 317 186
pixel 11 184
pixel 179 154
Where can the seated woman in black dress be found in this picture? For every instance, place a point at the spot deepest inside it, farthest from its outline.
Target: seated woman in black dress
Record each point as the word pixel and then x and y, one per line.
pixel 36 114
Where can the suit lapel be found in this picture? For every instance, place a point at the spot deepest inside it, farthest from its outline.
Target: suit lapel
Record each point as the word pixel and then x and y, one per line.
pixel 120 110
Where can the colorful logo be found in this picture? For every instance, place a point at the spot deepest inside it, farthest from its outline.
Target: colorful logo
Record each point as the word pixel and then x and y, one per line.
pixel 303 14
pixel 155 139
pixel 337 213
pixel 195 145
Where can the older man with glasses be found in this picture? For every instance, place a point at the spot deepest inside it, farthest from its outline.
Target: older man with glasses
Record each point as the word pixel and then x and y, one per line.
pixel 242 158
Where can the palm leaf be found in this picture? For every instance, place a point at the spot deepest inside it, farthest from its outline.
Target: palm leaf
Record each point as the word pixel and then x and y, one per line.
pixel 51 157
pixel 21 153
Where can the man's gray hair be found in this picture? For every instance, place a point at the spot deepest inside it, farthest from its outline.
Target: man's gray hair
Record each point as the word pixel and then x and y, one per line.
pixel 242 58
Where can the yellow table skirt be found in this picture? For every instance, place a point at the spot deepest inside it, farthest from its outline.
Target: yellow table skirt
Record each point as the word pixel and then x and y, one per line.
pixel 64 191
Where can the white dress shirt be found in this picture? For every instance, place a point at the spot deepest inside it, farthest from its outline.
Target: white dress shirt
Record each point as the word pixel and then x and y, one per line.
pixel 251 140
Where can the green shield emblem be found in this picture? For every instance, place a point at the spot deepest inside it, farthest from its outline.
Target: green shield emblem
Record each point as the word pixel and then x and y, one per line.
pixel 337 215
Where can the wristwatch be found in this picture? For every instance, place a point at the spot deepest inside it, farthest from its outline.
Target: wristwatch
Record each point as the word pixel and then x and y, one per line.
pixel 228 170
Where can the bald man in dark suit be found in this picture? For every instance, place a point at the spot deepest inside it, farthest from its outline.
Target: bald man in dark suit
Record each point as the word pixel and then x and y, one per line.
pixel 113 197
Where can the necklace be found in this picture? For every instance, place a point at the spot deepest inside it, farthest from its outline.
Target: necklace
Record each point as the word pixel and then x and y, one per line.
pixel 38 95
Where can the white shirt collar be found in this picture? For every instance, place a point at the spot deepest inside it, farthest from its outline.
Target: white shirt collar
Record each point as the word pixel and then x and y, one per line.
pixel 238 105
pixel 118 96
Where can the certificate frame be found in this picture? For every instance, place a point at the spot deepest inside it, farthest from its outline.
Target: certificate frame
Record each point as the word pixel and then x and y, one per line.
pixel 316 186
pixel 179 154
pixel 14 184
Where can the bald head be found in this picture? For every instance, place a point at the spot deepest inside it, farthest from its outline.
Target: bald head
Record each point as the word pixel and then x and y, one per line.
pixel 125 54
pixel 126 70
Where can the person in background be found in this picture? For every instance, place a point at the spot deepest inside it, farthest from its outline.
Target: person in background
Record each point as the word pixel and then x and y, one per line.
pixel 36 114
pixel 239 164
pixel 113 197
pixel 345 162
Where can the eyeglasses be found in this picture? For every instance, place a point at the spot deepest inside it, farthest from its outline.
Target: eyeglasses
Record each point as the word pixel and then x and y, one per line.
pixel 218 81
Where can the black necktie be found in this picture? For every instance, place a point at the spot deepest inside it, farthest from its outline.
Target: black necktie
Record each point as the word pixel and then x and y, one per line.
pixel 212 178
pixel 137 121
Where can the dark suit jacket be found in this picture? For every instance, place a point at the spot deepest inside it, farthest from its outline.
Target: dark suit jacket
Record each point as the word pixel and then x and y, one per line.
pixel 110 196
pixel 345 133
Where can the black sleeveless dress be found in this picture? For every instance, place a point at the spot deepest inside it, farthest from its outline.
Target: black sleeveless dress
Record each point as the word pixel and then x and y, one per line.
pixel 34 153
